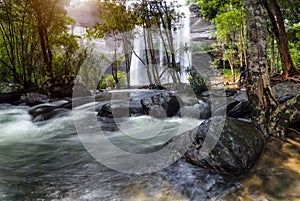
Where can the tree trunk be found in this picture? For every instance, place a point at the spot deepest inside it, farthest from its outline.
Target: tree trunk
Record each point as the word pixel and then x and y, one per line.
pixel 114 69
pixel 266 114
pixel 275 15
pixel 147 57
pixel 272 53
pixel 127 54
pixel 47 55
pixel 261 99
pixel 232 70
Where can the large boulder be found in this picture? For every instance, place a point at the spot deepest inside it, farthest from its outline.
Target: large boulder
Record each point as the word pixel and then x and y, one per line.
pixel 285 91
pixel 120 109
pixel 240 110
pixel 162 104
pixel 157 103
pixel 229 106
pixel 236 150
pixel 33 99
pixel 236 106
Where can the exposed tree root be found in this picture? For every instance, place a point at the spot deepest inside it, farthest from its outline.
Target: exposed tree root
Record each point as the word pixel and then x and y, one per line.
pixel 294 130
pixel 279 79
pixel 295 78
pixel 285 115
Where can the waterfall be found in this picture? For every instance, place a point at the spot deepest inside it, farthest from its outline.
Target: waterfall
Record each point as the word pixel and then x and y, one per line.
pixel 184 43
pixel 181 43
pixel 138 74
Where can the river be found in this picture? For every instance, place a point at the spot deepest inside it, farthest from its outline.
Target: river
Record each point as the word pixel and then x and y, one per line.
pixel 47 161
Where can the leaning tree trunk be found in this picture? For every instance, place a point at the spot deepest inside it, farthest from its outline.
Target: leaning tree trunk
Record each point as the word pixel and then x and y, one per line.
pixel 275 15
pixel 261 99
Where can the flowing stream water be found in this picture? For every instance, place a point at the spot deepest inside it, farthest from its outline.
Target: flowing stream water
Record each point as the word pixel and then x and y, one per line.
pixel 47 161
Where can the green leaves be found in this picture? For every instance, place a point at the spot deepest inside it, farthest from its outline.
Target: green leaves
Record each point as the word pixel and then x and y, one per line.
pixel 116 19
pixel 21 56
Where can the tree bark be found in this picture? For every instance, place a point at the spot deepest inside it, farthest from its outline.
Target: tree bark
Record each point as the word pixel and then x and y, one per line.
pixel 275 15
pixel 47 54
pixel 261 99
pixel 272 53
pixel 127 54
pixel 266 113
pixel 114 67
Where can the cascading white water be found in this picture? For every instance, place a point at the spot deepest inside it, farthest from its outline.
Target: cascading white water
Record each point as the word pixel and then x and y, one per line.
pixel 184 43
pixel 181 42
pixel 138 74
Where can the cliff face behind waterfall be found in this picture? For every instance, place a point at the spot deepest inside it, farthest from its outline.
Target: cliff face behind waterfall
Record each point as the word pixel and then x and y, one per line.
pixel 84 13
pixel 201 30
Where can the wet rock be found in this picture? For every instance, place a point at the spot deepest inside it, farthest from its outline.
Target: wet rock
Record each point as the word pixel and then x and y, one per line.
pixel 33 99
pixel 242 96
pixel 240 110
pixel 159 104
pixel 60 103
pixel 236 106
pixel 153 86
pixel 116 109
pixel 46 111
pixel 286 91
pixel 166 100
pixel 37 112
pixel 236 150
pixel 231 103
pixel 79 101
pixel 57 112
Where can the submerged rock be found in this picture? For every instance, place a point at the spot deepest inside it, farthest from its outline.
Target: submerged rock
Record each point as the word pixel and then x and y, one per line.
pixel 235 152
pixel 45 112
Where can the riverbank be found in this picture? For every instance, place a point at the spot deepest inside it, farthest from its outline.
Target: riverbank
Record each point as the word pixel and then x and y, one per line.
pixel 276 176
